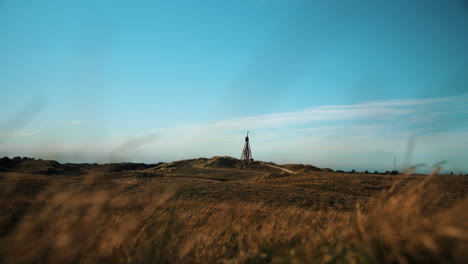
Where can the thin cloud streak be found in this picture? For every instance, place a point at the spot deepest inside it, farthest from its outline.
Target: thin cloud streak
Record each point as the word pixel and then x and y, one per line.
pixel 371 111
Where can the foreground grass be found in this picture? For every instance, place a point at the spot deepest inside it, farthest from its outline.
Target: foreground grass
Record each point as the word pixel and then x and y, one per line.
pixel 95 221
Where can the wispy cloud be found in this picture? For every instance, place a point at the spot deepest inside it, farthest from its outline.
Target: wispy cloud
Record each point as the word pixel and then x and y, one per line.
pixel 424 110
pixel 21 133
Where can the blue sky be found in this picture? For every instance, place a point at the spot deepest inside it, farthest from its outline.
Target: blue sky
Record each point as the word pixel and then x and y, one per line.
pixel 341 84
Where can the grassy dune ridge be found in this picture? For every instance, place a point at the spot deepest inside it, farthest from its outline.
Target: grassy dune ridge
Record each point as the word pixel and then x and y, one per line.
pixel 212 211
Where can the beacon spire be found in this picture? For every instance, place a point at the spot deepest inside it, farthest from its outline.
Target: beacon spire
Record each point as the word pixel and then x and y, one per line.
pixel 247 153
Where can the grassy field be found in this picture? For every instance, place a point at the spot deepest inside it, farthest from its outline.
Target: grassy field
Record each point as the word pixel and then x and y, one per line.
pixel 224 211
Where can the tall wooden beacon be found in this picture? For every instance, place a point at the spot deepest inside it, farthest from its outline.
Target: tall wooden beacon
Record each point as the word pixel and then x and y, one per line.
pixel 247 153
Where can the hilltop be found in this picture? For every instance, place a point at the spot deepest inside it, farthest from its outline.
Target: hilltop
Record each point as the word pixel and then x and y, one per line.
pixel 52 167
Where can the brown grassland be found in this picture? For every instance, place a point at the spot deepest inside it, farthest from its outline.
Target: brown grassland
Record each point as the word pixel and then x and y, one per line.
pixel 221 210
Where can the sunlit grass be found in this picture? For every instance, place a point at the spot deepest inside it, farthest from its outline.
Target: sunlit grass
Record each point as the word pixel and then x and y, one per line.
pixel 97 219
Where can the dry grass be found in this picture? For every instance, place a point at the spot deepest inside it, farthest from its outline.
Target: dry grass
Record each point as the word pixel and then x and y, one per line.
pixel 183 219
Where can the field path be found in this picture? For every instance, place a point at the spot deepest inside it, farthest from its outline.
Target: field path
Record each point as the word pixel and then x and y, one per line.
pixel 276 167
